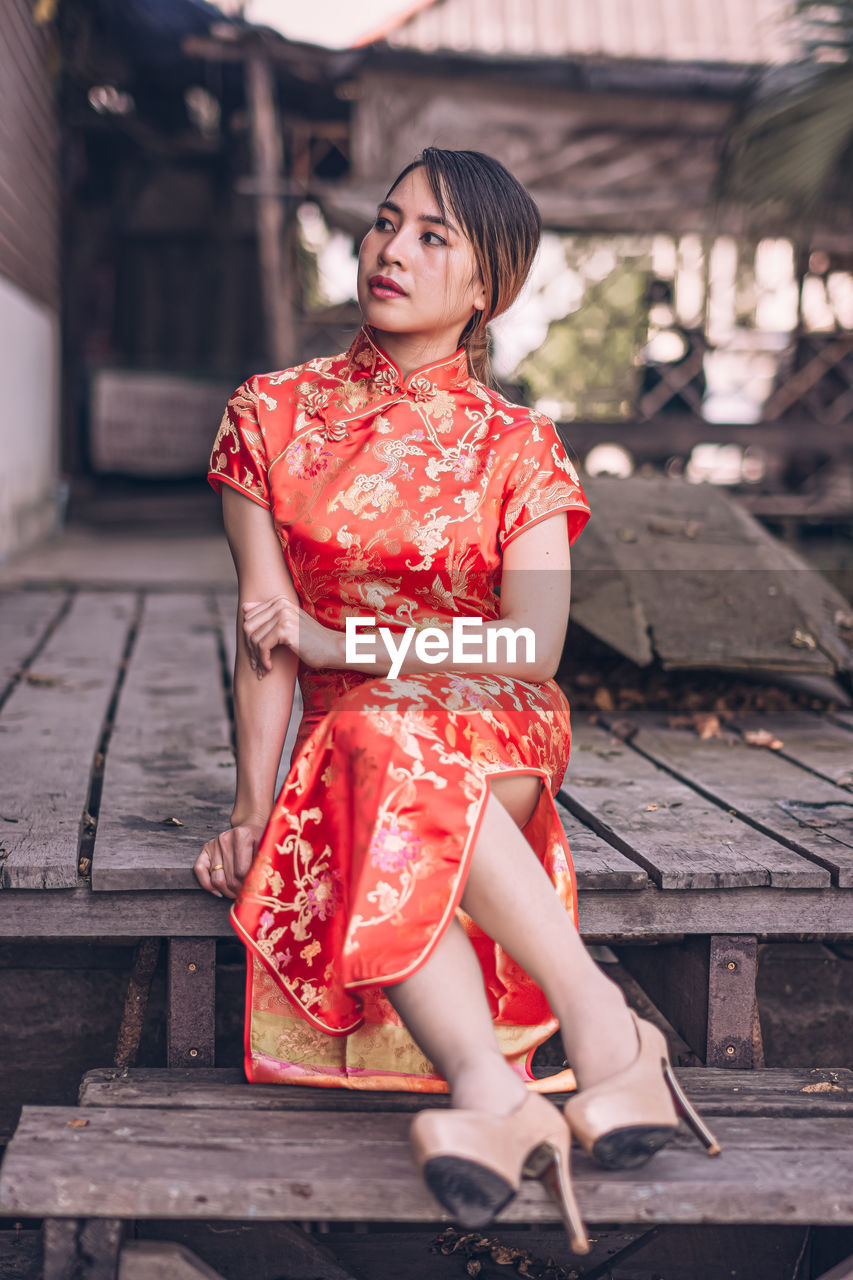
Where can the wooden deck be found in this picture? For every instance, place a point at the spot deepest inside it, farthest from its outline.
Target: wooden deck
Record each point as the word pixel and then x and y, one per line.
pixel 118 766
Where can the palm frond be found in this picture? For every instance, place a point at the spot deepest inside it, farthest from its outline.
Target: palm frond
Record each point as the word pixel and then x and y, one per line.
pixel 796 131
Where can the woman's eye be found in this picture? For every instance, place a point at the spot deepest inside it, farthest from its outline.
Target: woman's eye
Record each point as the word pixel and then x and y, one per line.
pixel 381 223
pixel 437 238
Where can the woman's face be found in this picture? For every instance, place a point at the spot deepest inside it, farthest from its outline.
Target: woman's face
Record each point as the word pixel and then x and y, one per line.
pixel 430 262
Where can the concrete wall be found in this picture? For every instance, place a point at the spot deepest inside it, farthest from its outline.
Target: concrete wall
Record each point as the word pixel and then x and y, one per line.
pixel 29 409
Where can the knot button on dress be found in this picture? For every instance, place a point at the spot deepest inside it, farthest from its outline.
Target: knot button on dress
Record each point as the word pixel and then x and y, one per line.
pixel 393 499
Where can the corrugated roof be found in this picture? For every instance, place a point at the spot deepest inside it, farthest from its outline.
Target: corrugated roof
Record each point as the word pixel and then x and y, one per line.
pixel 732 31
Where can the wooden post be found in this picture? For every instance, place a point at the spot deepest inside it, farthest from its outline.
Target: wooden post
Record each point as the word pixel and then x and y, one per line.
pixel 82 1248
pixel 705 986
pixel 270 217
pixel 136 1001
pixel 191 1020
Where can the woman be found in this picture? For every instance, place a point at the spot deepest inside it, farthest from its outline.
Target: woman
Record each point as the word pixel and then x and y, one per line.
pixel 401 888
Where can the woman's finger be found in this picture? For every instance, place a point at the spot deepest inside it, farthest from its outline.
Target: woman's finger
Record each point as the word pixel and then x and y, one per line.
pixel 221 872
pixel 261 610
pixel 246 844
pixel 202 869
pixel 258 626
pixel 221 879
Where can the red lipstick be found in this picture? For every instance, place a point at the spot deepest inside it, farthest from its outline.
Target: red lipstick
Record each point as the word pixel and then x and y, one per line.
pixel 385 287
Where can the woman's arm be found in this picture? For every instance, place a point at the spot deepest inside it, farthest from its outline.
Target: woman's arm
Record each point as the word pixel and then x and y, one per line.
pixel 535 594
pixel 261 707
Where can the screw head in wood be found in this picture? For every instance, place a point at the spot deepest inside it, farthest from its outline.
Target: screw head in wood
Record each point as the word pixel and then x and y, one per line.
pixel 730 1050
pixel 194 1053
pixel 731 965
pixel 192 966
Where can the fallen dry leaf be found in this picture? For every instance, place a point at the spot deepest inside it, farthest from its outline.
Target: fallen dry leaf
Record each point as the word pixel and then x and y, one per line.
pixel 77 1124
pixel 652 806
pixel 603 699
pixel 504 1256
pixel 825 1086
pixel 802 639
pixel 763 738
pixel 707 725
pixel 624 730
pixel 172 822
pixel 84 866
pixel 43 681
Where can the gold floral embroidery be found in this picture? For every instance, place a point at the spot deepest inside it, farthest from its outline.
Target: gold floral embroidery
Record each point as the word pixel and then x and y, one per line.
pixel 392 498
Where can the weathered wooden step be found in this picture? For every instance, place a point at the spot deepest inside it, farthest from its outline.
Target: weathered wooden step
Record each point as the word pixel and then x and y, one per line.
pixel 716 1091
pixel 148 1162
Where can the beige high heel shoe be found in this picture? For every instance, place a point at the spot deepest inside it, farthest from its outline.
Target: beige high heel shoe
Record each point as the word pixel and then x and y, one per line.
pixel 624 1119
pixel 473 1162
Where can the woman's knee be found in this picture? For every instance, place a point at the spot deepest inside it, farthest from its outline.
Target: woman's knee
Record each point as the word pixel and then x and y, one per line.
pixel 519 795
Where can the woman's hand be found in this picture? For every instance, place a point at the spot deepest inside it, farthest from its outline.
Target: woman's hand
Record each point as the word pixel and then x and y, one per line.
pixel 280 621
pixel 222 865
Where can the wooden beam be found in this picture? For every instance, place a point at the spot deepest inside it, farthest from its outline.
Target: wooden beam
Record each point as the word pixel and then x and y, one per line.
pixel 82 1248
pixel 190 1028
pixel 716 1091
pixel 219 1164
pixel 664 435
pixel 706 988
pixel 270 214
pixel 136 1001
pixel 622 915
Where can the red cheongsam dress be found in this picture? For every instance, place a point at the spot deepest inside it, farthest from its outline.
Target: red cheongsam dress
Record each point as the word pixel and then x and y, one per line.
pixel 392 499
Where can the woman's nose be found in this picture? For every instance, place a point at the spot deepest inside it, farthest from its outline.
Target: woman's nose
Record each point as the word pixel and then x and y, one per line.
pixel 394 249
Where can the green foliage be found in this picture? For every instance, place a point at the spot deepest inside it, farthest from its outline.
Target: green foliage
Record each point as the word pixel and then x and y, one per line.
pixel 587 363
pixel 794 142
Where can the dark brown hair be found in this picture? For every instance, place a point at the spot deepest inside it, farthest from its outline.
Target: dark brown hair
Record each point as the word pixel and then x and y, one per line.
pixel 500 220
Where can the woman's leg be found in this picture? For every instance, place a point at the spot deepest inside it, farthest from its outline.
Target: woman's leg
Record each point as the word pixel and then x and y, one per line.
pixel 445 1010
pixel 509 895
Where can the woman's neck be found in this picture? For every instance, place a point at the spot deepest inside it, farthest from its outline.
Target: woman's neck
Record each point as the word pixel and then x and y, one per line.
pixel 411 351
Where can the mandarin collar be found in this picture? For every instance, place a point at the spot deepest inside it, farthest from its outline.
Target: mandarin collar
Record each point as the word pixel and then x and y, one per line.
pixel 366 359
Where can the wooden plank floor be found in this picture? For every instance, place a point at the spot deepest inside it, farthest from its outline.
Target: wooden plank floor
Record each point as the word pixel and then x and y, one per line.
pixel 169 775
pixel 52 727
pixel 774 795
pixel 216 1163
pixel 114 723
pixel 715 1091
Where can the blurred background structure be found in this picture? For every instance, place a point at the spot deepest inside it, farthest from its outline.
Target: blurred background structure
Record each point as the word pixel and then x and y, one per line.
pixel 185 190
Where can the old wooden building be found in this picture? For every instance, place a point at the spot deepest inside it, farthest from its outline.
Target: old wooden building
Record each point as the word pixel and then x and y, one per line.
pixel 29 279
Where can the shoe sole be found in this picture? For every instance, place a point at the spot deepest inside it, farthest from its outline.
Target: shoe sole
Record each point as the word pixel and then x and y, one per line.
pixel 631 1146
pixel 472 1193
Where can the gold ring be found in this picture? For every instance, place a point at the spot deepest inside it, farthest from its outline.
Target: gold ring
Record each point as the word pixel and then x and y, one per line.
pixel 219 867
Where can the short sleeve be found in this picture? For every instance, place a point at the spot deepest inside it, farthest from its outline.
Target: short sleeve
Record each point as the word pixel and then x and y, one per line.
pixel 542 481
pixel 239 457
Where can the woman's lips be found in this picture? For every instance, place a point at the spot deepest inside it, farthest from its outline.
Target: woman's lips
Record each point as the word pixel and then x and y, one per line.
pixel 382 287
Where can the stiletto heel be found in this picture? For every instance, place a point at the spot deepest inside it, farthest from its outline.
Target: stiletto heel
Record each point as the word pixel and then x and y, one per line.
pixel 473 1162
pixel 550 1164
pixel 691 1115
pixel 623 1120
